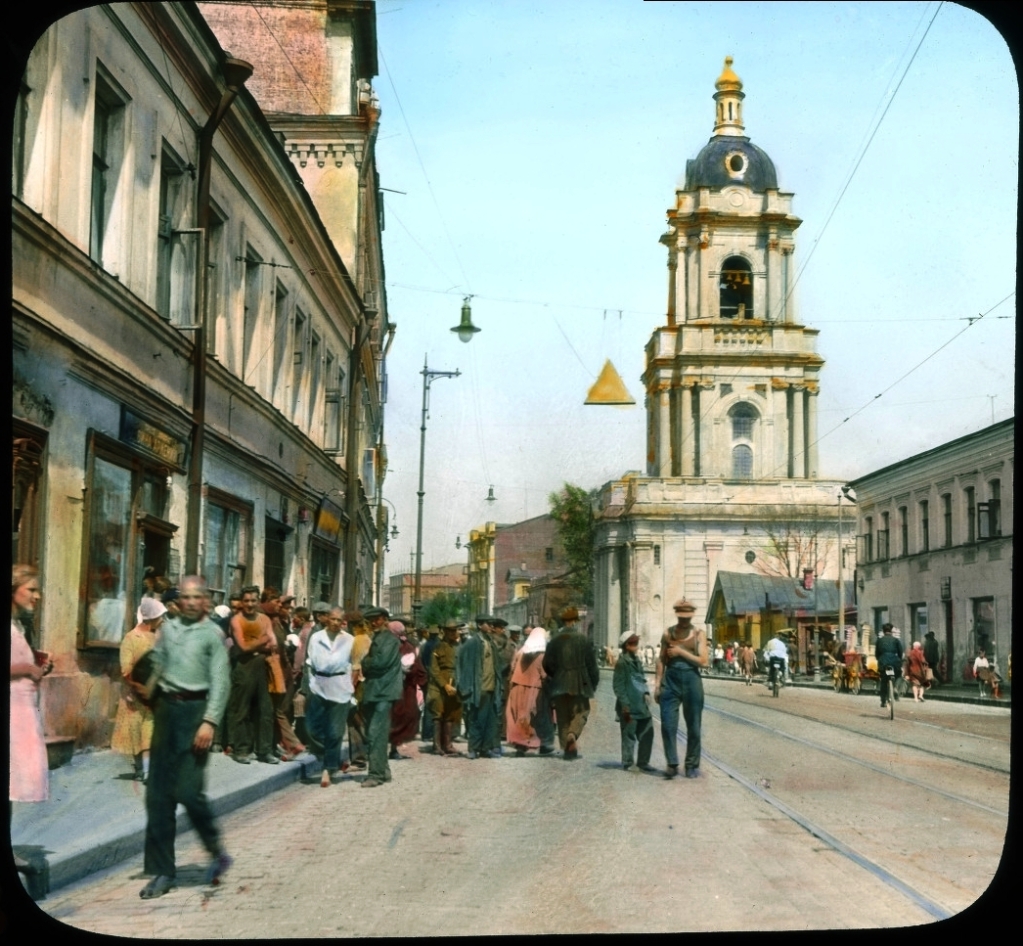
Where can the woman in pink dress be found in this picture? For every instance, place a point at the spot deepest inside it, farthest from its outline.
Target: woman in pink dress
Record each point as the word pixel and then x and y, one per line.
pixel 29 769
pixel 524 696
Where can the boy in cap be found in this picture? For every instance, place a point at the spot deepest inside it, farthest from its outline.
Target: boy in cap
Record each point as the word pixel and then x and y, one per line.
pixel 632 705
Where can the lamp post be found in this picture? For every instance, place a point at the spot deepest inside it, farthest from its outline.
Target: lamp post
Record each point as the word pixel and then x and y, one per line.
pixel 428 378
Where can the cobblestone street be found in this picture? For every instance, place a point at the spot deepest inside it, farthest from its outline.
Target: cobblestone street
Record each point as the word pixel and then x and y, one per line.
pixel 538 845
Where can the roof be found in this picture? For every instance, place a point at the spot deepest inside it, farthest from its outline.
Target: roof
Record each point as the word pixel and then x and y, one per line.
pixel 744 592
pixel 708 168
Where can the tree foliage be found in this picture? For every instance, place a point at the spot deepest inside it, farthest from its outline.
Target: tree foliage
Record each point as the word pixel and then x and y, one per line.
pixel 573 517
pixel 446 606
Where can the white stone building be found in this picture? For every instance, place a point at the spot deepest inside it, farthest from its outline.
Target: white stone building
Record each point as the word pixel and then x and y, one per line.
pixel 731 381
pixel 935 546
pixel 108 313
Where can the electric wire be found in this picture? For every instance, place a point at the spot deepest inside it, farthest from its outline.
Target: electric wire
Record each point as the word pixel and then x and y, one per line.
pixel 301 78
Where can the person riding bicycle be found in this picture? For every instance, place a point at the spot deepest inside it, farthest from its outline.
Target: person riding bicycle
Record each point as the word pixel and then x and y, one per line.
pixel 889 653
pixel 777 652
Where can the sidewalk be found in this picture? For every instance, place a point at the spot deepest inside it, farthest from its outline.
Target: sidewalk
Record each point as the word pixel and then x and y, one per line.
pixel 96 815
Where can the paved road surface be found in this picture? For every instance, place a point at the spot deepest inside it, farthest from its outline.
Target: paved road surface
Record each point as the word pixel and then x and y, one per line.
pixel 540 845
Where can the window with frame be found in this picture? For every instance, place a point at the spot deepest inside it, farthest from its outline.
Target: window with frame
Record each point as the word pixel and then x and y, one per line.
pixel 323 560
pixel 882 538
pixel 300 373
pixel 331 408
pixel 20 143
pixel 904 530
pixel 925 526
pixel 946 515
pixel 868 539
pixel 971 514
pixel 282 366
pixel 126 537
pixel 918 621
pixel 174 263
pixel 107 157
pixel 315 369
pixel 227 545
pixel 250 312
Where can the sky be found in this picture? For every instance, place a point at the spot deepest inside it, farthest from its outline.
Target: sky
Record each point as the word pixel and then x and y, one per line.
pixel 537 147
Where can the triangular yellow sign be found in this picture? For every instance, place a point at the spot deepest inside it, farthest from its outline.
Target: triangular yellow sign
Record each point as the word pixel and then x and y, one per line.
pixel 609 389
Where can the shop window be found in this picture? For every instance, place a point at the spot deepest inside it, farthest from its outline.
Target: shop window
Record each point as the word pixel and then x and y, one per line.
pixel 227 545
pixel 984 624
pixel 274 572
pixel 322 571
pixel 126 538
pixel 918 621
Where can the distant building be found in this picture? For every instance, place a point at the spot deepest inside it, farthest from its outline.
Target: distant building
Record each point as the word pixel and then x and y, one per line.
pixel 506 559
pixel 935 546
pixel 450 579
pixel 732 381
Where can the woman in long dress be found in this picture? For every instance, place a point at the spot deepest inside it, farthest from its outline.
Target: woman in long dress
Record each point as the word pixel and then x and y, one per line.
pixel 29 770
pixel 405 712
pixel 916 671
pixel 525 697
pixel 133 726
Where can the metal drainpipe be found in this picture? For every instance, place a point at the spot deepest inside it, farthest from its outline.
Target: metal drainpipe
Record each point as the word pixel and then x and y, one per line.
pixel 236 73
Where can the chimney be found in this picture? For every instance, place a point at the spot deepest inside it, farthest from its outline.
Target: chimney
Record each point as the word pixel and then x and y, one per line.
pixel 808 578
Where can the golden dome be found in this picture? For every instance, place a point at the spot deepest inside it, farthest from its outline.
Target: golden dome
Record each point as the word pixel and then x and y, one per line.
pixel 728 80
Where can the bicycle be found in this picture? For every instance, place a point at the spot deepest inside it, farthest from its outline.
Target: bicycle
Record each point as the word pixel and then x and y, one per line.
pixel 888 682
pixel 774 678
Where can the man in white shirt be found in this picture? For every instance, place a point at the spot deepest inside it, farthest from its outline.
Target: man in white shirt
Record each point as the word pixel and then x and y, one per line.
pixel 777 648
pixel 329 659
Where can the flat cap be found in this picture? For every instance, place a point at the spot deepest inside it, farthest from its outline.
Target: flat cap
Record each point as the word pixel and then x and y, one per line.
pixel 321 607
pixel 627 636
pixel 371 614
pixel 451 625
pixel 684 604
pixel 484 619
pixel 499 622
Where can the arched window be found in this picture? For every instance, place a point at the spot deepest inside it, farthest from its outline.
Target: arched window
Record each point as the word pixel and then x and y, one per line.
pixel 736 289
pixel 743 417
pixel 742 462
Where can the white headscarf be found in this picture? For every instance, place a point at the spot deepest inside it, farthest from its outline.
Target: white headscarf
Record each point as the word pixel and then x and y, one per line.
pixel 536 643
pixel 149 610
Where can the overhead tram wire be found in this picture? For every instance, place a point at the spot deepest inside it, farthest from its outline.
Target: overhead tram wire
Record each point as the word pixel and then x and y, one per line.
pixel 301 78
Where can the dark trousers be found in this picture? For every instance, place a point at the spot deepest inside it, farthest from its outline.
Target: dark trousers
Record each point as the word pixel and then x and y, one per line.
pixel 481 726
pixel 681 685
pixel 572 712
pixel 326 721
pixel 250 711
pixel 357 734
pixel 378 731
pixel 426 732
pixel 177 775
pixel 638 732
pixel 543 720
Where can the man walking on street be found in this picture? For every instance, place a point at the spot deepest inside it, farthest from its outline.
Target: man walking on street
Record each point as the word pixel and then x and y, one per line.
pixel 192 680
pixel 478 677
pixel 381 673
pixel 571 663
pixel 889 653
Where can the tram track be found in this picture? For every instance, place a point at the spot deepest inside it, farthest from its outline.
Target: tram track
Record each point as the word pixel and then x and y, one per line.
pixel 867 765
pixel 784 710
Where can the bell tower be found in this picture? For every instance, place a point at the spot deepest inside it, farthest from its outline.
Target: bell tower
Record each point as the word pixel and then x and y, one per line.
pixel 732 378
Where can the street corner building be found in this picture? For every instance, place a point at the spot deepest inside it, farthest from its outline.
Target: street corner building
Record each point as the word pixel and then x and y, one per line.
pixel 732 380
pixel 199 318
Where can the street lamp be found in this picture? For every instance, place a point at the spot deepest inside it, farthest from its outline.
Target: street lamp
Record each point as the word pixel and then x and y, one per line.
pixel 465 328
pixel 428 378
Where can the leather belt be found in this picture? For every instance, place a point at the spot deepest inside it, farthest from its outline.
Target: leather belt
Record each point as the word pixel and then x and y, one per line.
pixel 180 695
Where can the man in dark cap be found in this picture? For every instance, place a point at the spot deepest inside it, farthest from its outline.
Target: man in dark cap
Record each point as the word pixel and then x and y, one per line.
pixel 381 673
pixel 478 677
pixel 506 649
pixel 571 663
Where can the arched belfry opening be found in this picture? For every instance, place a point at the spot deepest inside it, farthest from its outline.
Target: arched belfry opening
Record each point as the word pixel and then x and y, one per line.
pixel 736 289
pixel 744 418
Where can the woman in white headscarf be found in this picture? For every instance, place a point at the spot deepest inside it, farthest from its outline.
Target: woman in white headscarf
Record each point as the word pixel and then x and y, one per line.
pixel 526 702
pixel 133 726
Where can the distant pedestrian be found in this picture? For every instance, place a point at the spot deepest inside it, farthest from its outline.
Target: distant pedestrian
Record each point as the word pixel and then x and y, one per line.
pixel 359 628
pixel 932 653
pixel 405 712
pixel 747 662
pixel 889 653
pixel 677 682
pixel 426 649
pixel 916 671
pixel 133 725
pixel 381 671
pixel 442 700
pixel 632 706
pixel 193 682
pixel 29 772
pixel 526 694
pixel 329 653
pixel 571 663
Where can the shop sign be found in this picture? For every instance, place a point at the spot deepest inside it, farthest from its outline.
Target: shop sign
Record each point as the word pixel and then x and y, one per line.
pixel 328 521
pixel 137 432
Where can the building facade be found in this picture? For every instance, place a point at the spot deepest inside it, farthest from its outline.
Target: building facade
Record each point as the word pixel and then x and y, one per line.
pixel 446 579
pixel 731 382
pixel 175 284
pixel 935 546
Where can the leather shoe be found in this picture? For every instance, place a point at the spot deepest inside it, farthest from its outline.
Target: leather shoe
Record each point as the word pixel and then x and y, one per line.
pixel 269 759
pixel 371 783
pixel 221 864
pixel 157 887
pixel 243 759
pixel 671 771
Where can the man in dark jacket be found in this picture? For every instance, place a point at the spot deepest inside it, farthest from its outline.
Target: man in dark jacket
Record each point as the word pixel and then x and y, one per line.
pixel 889 653
pixel 479 682
pixel 381 674
pixel 571 663
pixel 632 705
